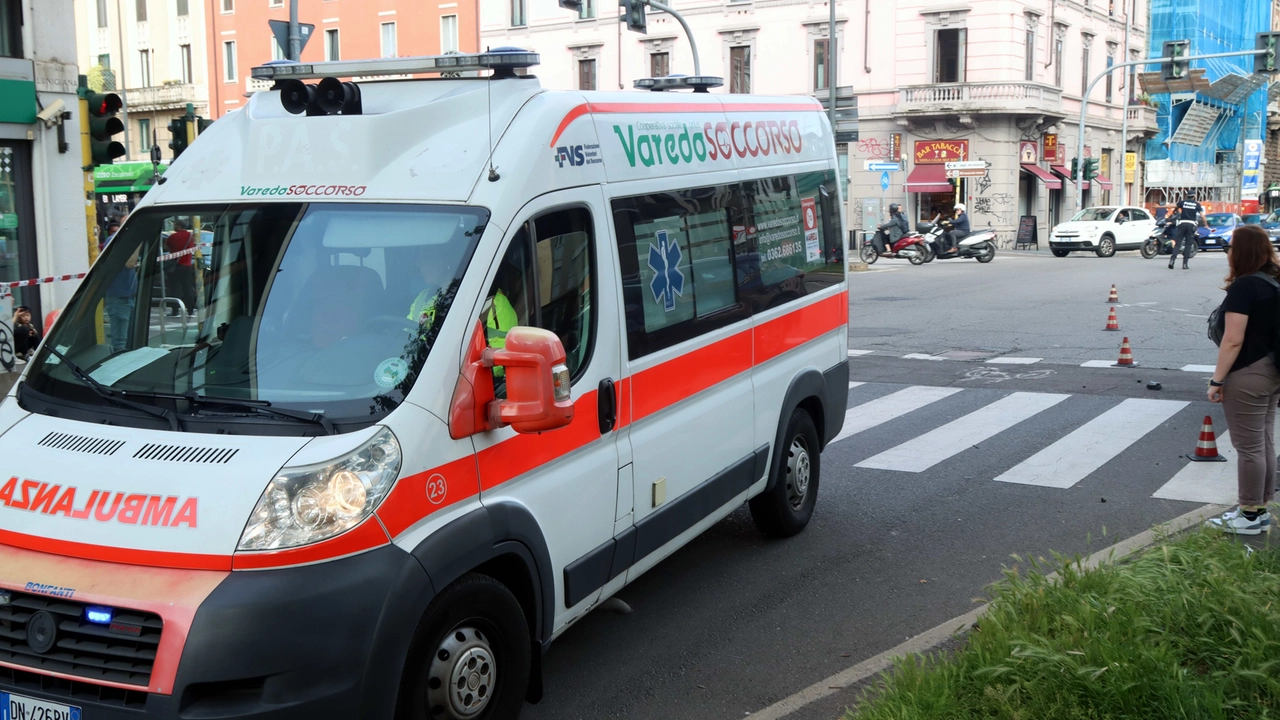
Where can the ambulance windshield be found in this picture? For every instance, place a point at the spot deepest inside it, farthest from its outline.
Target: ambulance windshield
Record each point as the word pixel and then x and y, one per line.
pixel 274 318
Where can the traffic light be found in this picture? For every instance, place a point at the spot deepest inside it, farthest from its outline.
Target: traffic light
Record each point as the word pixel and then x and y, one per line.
pixel 178 140
pixel 1265 62
pixel 634 10
pixel 103 124
pixel 1091 167
pixel 202 124
pixel 1075 168
pixel 1176 68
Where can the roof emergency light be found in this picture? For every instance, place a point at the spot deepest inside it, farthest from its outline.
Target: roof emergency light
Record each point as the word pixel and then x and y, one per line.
pixel 503 61
pixel 697 83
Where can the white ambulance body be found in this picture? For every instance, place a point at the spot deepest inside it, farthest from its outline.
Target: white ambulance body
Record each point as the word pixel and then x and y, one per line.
pixel 282 486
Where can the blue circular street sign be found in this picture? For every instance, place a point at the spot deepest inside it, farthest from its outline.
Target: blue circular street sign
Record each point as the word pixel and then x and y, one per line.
pixel 884 180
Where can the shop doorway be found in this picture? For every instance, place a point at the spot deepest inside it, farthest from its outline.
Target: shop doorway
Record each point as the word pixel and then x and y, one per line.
pixel 1055 208
pixel 18 224
pixel 1027 185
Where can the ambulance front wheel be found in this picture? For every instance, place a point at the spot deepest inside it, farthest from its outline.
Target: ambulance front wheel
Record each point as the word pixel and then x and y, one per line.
pixel 785 508
pixel 470 656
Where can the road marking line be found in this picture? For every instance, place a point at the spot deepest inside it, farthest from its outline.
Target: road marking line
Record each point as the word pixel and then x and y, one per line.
pixel 856 353
pixel 1014 360
pixel 1092 445
pixel 1207 482
pixel 1199 368
pixel 881 410
pixel 931 448
pixel 938 634
pixel 922 356
pixel 1098 363
pixel 853 385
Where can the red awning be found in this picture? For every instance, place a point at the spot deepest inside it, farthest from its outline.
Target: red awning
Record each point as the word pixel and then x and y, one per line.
pixel 929 179
pixel 1045 176
pixel 1103 183
pixel 1065 172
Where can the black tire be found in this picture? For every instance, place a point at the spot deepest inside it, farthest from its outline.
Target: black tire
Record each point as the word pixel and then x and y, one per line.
pixel 1150 249
pixel 1059 253
pixel 868 254
pixel 989 255
pixel 1106 246
pixel 475 618
pixel 919 257
pixel 929 254
pixel 785 509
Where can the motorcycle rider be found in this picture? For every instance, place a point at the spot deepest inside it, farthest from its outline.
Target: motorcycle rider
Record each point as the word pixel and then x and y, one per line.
pixel 1188 214
pixel 892 230
pixel 959 229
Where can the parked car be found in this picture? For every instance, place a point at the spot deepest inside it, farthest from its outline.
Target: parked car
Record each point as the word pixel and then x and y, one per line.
pixel 1216 235
pixel 1269 222
pixel 1102 230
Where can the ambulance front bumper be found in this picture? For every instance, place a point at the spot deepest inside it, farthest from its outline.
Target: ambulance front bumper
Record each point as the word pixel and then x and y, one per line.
pixel 318 641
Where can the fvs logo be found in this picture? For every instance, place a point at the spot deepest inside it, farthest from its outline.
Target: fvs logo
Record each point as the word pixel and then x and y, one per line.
pixel 571 154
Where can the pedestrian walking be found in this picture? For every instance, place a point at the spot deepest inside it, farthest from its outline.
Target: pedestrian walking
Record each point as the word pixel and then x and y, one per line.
pixel 184 268
pixel 1188 213
pixel 120 298
pixel 1246 380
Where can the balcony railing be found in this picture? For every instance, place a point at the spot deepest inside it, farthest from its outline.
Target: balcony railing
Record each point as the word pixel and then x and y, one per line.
pixel 981 96
pixel 160 97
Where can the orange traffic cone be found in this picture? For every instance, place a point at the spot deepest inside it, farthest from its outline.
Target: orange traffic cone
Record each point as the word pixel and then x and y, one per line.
pixel 1126 355
pixel 1113 298
pixel 1112 323
pixel 1207 446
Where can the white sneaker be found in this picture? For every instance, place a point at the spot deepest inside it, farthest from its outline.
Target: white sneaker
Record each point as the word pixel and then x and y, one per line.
pixel 1236 523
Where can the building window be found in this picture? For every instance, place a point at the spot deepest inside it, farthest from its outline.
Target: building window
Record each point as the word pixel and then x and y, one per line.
pixel 740 69
pixel 229 61
pixel 184 55
pixel 1058 44
pixel 276 3
pixel 587 10
pixel 182 8
pixel 277 52
pixel 1110 61
pixel 449 33
pixel 105 61
pixel 144 68
pixel 586 74
pixel 821 65
pixel 102 13
pixel 949 50
pixel 144 135
pixel 140 9
pixel 389 40
pixel 517 13
pixel 331 50
pixel 659 64
pixel 1030 71
pixel 228 6
pixel 1084 74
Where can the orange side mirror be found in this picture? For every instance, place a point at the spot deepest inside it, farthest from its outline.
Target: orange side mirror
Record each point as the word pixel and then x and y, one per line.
pixel 538 395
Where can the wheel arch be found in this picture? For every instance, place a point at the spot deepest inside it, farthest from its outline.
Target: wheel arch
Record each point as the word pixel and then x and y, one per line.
pixel 817 393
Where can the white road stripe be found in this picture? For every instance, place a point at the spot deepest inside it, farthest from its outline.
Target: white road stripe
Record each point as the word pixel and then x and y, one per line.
pixel 856 353
pixel 881 410
pixel 1215 481
pixel 1199 368
pixel 1089 447
pixel 853 385
pixel 922 356
pixel 1098 363
pixel 1014 361
pixel 931 448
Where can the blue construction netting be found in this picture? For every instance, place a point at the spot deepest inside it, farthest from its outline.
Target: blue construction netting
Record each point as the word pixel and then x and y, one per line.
pixel 1212 26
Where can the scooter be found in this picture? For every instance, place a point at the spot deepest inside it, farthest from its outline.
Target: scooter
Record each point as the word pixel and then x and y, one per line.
pixel 910 247
pixel 1160 241
pixel 980 245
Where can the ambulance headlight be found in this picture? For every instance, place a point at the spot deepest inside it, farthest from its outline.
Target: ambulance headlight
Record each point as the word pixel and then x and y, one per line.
pixel 307 504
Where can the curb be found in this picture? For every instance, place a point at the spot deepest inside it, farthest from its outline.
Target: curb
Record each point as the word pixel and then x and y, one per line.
pixel 935 636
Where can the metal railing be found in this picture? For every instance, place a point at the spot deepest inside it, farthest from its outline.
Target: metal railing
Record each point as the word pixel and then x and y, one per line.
pixel 160 96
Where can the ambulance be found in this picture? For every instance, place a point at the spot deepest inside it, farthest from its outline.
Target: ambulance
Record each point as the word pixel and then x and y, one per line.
pixel 466 357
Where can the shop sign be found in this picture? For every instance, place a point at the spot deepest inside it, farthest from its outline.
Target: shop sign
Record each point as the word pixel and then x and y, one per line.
pixel 895 147
pixel 1028 152
pixel 1051 148
pixel 1130 167
pixel 940 152
pixel 8 221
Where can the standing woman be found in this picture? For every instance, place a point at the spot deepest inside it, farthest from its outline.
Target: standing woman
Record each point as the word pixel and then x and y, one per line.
pixel 1246 380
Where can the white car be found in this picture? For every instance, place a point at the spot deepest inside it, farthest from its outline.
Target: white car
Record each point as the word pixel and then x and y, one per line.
pixel 1102 230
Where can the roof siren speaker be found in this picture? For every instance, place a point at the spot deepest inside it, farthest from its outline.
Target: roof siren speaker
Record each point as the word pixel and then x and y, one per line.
pixel 296 95
pixel 334 96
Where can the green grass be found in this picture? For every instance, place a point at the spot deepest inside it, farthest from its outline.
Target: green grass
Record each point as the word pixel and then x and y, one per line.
pixel 1189 629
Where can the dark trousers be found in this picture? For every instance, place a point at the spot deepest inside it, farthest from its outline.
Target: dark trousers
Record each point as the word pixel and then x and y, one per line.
pixel 25 339
pixel 182 285
pixel 1185 240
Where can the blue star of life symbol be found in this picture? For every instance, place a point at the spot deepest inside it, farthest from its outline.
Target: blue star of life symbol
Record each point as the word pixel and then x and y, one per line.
pixel 668 281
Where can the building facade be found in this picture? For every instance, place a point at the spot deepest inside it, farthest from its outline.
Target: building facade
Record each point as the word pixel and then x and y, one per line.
pixel 42 208
pixel 240 37
pixel 152 54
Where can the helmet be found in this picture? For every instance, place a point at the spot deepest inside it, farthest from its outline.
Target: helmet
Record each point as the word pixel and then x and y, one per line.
pixel 960 208
pixel 894 207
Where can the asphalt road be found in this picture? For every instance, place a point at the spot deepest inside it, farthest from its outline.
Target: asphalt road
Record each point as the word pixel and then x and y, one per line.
pixel 735 622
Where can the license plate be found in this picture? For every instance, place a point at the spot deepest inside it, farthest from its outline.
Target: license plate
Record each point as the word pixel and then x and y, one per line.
pixel 17 707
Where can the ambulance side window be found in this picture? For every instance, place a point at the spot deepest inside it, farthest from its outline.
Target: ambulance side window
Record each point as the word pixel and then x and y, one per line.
pixel 678 262
pixel 547 280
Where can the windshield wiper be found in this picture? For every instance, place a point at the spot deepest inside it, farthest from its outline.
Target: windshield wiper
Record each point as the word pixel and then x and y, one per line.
pixel 116 395
pixel 263 407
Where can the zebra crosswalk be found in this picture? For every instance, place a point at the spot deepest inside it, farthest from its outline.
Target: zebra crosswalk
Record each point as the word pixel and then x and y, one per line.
pixel 1059 443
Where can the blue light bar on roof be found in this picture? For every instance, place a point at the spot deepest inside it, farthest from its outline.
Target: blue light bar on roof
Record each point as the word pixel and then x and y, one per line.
pixel 504 58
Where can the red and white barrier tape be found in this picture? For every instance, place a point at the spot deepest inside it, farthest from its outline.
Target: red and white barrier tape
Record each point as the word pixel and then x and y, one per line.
pixel 175 255
pixel 40 281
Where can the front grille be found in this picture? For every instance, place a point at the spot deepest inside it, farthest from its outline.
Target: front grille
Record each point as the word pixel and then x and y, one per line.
pixel 70 691
pixel 81 648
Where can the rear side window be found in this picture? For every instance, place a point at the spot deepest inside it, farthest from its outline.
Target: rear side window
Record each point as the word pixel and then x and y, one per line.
pixel 678 265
